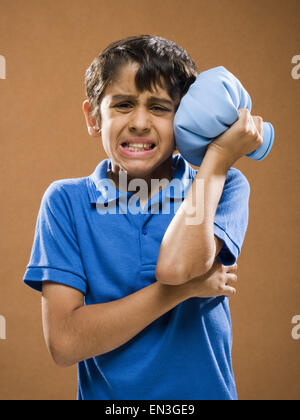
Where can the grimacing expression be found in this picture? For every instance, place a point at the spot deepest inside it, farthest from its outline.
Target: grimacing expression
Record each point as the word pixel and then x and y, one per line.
pixel 136 127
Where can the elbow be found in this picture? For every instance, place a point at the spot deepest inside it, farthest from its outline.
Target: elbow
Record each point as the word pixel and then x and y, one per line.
pixel 180 273
pixel 60 353
pixel 171 275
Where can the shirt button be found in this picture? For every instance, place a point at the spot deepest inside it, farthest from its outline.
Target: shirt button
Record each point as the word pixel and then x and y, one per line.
pixel 144 230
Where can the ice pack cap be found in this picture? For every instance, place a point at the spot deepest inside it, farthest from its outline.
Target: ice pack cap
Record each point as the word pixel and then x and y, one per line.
pixel 268 140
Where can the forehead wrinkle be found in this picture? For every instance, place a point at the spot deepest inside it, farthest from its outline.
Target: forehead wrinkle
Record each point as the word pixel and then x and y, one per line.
pixel 134 97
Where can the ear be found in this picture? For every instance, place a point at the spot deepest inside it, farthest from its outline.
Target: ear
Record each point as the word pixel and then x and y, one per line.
pixel 91 123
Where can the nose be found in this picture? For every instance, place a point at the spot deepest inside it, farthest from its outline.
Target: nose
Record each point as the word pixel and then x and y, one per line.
pixel 139 121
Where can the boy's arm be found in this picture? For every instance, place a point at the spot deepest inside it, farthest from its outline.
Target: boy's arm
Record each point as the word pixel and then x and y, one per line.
pixel 189 250
pixel 75 332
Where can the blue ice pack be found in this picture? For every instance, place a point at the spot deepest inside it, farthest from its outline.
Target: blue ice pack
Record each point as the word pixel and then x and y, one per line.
pixel 208 109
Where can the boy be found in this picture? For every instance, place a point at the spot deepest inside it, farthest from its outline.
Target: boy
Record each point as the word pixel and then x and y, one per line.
pixel 139 299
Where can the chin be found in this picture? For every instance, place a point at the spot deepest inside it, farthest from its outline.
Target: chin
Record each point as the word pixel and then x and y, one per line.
pixel 139 170
pixel 142 168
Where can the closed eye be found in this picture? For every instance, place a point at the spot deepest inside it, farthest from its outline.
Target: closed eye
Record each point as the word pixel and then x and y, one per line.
pixel 122 105
pixel 159 108
pixel 125 105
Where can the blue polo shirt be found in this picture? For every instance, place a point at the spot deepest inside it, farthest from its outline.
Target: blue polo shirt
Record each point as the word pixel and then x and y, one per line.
pixel 97 239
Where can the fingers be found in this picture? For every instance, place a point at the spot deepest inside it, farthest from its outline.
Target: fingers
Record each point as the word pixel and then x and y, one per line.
pixel 257 129
pixel 229 288
pixel 258 121
pixel 229 291
pixel 243 114
pixel 254 123
pixel 221 281
pixel 231 268
pixel 231 279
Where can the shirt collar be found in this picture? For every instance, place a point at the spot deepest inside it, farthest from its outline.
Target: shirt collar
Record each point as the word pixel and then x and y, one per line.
pixel 101 187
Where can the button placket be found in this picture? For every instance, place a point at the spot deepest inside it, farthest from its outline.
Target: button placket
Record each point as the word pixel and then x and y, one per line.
pixel 144 240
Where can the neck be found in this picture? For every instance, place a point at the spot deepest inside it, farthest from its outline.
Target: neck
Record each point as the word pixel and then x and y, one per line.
pixel 122 178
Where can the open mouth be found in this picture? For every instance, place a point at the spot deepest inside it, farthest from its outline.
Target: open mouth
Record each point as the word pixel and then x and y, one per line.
pixel 138 147
pixel 137 150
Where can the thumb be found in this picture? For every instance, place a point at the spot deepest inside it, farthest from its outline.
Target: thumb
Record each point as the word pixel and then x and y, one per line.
pixel 244 113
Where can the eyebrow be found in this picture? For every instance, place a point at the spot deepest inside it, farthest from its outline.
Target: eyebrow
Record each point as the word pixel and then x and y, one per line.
pixel 132 97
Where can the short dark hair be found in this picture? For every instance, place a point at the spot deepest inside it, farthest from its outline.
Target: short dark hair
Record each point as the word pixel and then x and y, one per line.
pixel 157 58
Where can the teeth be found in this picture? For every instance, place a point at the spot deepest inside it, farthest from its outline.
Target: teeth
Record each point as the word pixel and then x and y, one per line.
pixel 138 146
pixel 141 145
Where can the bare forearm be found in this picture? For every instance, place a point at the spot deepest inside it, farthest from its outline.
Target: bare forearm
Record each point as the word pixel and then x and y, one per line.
pixel 188 248
pixel 96 329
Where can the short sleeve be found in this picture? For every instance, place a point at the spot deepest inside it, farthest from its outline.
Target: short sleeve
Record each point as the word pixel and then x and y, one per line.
pixel 231 220
pixel 55 254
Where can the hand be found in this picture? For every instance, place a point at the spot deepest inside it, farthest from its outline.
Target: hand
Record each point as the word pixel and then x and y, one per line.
pixel 218 281
pixel 243 137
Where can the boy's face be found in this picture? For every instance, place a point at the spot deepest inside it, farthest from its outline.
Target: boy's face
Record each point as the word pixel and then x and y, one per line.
pixel 137 129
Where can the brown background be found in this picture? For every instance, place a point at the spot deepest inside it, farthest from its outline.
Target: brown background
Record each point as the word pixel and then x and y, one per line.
pixel 48 45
